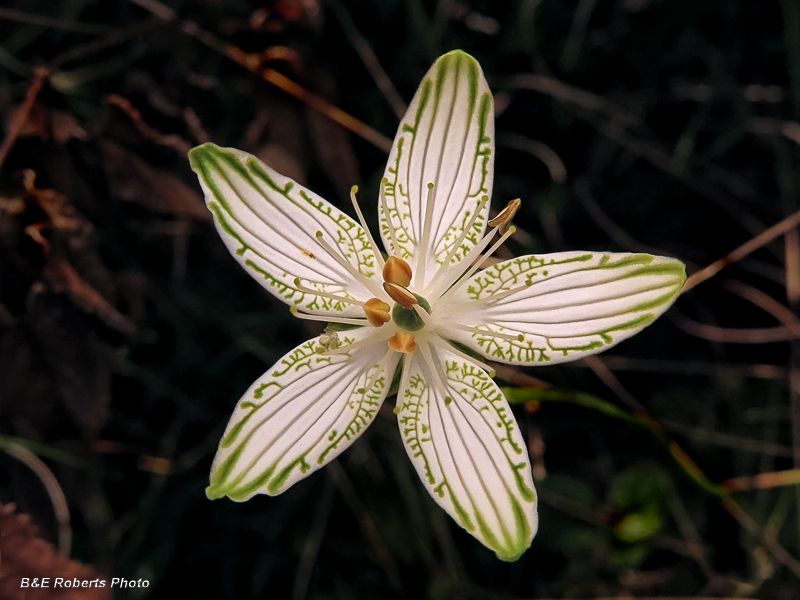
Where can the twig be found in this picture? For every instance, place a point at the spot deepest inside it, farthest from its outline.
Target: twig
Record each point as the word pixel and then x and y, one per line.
pixel 21 115
pixel 764 301
pixel 681 458
pixel 368 527
pixel 614 231
pixel 761 335
pixel 686 367
pixel 108 41
pixel 20 16
pixel 311 548
pixel 748 247
pixel 577 34
pixel 763 480
pixel 698 434
pixel 690 534
pixel 555 166
pixel 607 376
pixel 368 57
pixel 49 481
pixel 253 63
pixel 616 120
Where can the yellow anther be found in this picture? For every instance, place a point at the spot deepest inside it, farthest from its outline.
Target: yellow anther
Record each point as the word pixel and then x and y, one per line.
pixel 377 312
pixel 398 271
pixel 403 342
pixel 400 295
pixel 505 216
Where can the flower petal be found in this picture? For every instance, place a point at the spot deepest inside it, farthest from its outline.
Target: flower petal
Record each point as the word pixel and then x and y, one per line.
pixel 269 224
pixel 300 415
pixel 447 139
pixel 578 303
pixel 469 452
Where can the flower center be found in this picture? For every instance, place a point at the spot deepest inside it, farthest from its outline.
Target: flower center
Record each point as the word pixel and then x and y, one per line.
pixel 408 319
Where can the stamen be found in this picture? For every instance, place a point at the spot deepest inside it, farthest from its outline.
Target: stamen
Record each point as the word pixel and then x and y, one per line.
pixel 426 232
pixel 457 244
pixel 387 215
pixel 488 332
pixel 364 280
pixel 381 367
pixel 437 379
pixel 400 295
pixel 438 341
pixel 378 255
pixel 326 319
pixel 398 271
pixel 307 290
pixel 403 342
pixel 477 264
pixel 503 219
pixel 377 312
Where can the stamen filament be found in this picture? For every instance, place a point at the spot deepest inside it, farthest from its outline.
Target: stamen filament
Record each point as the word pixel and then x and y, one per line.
pixel 365 281
pixel 388 216
pixel 488 332
pixel 438 341
pixel 326 319
pixel 378 255
pixel 405 376
pixel 426 232
pixel 423 314
pixel 477 264
pixel 307 290
pixel 457 244
pixel 437 379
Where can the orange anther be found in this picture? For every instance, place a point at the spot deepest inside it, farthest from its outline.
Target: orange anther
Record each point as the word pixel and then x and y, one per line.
pixel 403 342
pixel 397 271
pixel 377 312
pixel 505 216
pixel 400 295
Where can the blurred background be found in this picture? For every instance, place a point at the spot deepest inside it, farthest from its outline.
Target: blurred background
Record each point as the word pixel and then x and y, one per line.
pixel 666 467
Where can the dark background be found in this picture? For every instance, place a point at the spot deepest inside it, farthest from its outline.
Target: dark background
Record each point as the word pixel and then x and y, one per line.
pixel 127 332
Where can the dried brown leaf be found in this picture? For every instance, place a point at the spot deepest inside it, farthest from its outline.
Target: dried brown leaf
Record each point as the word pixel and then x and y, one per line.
pixel 134 180
pixel 64 279
pixel 24 554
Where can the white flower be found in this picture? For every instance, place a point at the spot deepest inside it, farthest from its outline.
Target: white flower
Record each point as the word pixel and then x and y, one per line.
pixel 457 427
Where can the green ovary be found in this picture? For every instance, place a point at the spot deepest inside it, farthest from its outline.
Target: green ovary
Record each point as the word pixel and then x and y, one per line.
pixel 407 319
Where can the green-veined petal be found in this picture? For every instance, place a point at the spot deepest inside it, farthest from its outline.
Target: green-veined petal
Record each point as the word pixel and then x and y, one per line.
pixel 269 224
pixel 577 303
pixel 446 138
pixel 468 451
pixel 300 415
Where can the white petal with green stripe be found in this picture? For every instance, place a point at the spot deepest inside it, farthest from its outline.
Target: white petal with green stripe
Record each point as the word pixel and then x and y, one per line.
pixel 446 138
pixel 300 415
pixel 269 223
pixel 468 451
pixel 568 305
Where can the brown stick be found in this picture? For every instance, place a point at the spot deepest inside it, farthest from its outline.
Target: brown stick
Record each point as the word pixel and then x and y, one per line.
pixel 748 247
pixel 21 116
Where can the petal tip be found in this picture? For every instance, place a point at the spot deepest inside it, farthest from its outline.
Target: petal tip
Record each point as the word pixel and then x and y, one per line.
pixel 215 492
pixel 199 153
pixel 512 554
